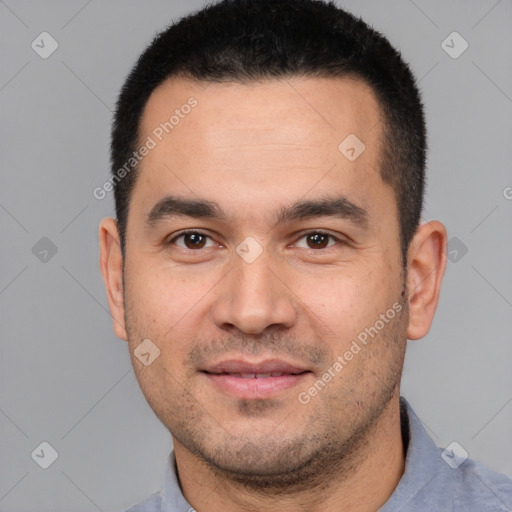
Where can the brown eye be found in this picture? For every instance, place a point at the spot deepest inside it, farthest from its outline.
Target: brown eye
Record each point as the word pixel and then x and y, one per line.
pixel 318 240
pixel 191 240
pixel 194 240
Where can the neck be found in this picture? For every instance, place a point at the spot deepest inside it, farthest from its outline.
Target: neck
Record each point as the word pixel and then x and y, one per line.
pixel 362 482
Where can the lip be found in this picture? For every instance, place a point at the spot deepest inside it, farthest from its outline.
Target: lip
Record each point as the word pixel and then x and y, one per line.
pixel 244 366
pixel 234 377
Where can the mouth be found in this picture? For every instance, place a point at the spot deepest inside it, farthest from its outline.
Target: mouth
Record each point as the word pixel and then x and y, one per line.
pixel 255 375
pixel 245 379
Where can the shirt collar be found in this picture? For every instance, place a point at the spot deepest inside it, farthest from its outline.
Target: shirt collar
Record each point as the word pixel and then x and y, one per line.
pixel 422 461
pixel 173 498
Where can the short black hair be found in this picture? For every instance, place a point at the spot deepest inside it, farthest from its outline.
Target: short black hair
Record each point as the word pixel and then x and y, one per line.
pixel 252 40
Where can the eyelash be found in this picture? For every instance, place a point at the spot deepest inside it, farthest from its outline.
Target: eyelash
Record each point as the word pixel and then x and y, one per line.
pixel 314 232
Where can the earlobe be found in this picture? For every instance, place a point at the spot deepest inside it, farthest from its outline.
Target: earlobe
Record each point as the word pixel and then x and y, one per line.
pixel 111 264
pixel 426 267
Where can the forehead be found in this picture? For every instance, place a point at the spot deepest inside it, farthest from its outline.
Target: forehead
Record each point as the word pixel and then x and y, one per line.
pixel 304 110
pixel 270 139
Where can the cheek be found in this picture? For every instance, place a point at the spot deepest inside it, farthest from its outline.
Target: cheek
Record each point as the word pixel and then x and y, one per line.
pixel 164 304
pixel 162 290
pixel 344 303
pixel 150 304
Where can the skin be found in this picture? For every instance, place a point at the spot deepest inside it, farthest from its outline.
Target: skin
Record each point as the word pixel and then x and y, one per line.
pixel 253 148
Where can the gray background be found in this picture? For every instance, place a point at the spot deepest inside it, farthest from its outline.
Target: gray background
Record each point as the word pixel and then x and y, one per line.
pixel 64 376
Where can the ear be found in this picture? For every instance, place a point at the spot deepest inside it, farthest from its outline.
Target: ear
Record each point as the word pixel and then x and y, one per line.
pixel 111 263
pixel 426 266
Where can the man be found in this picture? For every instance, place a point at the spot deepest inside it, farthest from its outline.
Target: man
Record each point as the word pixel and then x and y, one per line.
pixel 268 265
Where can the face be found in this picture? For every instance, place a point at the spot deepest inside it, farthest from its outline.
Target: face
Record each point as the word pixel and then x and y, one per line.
pixel 254 283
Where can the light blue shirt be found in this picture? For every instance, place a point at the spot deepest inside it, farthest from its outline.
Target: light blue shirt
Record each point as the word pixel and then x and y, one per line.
pixel 433 481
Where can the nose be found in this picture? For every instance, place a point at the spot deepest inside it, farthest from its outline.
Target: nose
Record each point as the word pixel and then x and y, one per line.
pixel 253 297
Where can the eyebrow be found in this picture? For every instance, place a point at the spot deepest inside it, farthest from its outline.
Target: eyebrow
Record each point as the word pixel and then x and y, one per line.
pixel 337 207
